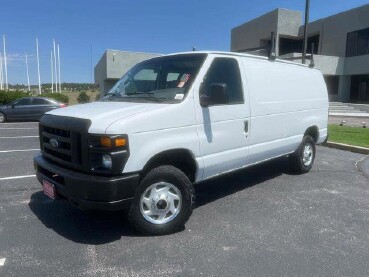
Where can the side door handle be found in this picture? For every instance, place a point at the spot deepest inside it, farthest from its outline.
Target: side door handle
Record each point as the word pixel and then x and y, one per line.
pixel 246 129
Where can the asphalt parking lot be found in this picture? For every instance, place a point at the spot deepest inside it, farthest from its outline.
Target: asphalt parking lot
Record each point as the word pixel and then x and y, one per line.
pixel 259 221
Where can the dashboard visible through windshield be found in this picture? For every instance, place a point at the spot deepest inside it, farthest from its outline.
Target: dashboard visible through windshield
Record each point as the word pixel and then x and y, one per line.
pixel 162 79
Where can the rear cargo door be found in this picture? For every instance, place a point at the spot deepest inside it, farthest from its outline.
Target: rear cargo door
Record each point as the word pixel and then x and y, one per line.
pixel 223 129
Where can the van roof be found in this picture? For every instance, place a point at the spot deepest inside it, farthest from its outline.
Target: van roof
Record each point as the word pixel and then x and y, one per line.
pixel 235 54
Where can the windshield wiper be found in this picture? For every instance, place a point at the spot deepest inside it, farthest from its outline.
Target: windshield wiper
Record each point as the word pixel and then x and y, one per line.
pixel 140 93
pixel 152 98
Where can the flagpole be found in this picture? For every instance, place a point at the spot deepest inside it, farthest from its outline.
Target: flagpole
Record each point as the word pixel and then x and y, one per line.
pixel 29 88
pixel 5 65
pixel 59 67
pixel 1 72
pixel 38 67
pixel 52 71
pixel 55 70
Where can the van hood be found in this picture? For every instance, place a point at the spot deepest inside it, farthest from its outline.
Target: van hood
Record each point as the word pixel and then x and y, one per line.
pixel 102 114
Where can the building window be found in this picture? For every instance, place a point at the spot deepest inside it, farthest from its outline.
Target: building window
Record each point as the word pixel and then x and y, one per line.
pixel 357 43
pixel 291 45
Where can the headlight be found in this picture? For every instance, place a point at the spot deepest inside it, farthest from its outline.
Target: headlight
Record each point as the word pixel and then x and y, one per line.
pixel 108 154
pixel 107 161
pixel 111 142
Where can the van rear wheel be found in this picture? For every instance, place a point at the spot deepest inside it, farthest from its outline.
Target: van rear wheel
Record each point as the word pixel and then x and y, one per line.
pixel 302 160
pixel 163 202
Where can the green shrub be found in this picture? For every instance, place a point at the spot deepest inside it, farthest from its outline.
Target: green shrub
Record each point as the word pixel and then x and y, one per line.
pixel 57 96
pixel 97 97
pixel 83 97
pixel 8 96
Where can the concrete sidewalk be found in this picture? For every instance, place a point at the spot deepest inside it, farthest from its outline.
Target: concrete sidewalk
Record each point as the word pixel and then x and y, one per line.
pixel 350 121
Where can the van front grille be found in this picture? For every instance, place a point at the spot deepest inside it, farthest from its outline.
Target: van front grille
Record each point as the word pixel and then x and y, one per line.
pixel 63 144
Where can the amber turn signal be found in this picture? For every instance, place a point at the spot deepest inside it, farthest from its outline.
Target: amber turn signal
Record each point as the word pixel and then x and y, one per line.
pixel 105 142
pixel 120 142
pixel 112 142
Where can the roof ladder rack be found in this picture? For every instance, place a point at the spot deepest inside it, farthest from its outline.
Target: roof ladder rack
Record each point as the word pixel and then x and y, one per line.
pixel 272 52
pixel 312 63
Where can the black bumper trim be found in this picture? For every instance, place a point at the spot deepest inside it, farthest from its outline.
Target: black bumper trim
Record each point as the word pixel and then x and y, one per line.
pixel 88 191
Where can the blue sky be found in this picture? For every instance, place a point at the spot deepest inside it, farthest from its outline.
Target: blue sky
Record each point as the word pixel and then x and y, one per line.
pixel 161 26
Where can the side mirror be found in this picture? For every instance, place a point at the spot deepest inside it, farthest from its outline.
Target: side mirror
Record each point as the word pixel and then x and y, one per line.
pixel 217 95
pixel 12 106
pixel 205 100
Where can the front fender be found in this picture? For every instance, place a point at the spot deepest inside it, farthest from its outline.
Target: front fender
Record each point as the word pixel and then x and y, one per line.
pixel 144 146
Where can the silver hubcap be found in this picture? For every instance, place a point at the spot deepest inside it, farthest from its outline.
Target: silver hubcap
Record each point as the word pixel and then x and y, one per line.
pixel 2 117
pixel 160 203
pixel 308 154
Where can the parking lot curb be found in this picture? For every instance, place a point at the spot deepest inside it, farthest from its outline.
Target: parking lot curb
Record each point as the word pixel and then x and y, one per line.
pixel 363 166
pixel 347 147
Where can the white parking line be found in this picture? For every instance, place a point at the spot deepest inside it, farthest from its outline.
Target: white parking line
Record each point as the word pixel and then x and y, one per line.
pixel 17 177
pixel 24 122
pixel 18 128
pixel 2 261
pixel 19 137
pixel 24 150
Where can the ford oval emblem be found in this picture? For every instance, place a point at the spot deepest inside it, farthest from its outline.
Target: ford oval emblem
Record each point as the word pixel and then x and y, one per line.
pixel 54 143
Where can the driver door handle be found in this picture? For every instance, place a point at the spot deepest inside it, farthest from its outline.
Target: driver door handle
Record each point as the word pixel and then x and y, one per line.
pixel 246 129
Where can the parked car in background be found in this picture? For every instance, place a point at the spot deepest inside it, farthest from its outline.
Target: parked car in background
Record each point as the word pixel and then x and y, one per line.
pixel 28 108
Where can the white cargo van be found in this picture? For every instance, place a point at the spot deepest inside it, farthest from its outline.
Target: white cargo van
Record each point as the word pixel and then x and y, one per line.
pixel 176 120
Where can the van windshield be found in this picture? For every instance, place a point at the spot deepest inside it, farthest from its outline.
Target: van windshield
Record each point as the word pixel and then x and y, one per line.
pixel 162 79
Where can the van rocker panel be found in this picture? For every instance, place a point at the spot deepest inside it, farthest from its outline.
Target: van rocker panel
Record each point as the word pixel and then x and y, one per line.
pixel 88 191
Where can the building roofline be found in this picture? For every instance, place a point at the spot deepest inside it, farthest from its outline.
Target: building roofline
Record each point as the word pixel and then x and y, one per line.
pixel 266 14
pixel 285 9
pixel 336 14
pixel 255 19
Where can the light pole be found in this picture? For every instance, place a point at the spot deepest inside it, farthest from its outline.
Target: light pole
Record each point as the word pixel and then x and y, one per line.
pixel 307 11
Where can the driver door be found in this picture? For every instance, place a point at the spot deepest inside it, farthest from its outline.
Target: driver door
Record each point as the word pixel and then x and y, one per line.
pixel 223 129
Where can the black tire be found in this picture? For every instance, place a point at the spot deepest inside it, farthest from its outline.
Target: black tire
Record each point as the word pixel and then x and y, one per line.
pixel 296 160
pixel 175 177
pixel 2 117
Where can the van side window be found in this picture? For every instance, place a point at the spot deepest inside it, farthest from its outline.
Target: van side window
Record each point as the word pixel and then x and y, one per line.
pixel 225 70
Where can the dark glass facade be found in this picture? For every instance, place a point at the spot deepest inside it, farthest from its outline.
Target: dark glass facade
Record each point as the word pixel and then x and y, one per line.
pixel 357 43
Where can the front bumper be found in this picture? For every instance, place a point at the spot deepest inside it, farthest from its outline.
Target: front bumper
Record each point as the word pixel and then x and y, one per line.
pixel 88 191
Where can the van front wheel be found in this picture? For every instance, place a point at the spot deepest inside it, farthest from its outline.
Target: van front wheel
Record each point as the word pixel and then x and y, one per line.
pixel 163 202
pixel 303 159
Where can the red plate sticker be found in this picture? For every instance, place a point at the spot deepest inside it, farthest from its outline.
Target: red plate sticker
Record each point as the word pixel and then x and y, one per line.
pixel 49 189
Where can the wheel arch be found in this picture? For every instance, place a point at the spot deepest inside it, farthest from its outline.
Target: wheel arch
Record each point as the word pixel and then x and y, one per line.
pixel 312 131
pixel 180 158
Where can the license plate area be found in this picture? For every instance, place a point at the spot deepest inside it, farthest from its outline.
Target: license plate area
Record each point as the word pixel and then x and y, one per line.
pixel 49 189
